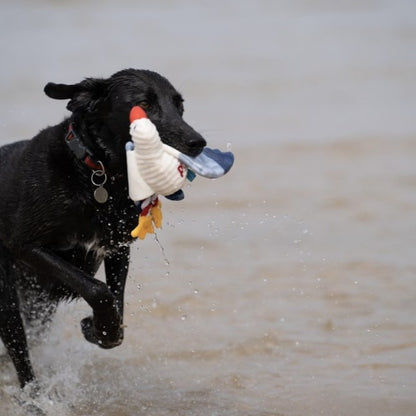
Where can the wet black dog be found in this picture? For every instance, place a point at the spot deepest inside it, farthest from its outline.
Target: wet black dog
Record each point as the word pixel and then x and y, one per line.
pixel 55 231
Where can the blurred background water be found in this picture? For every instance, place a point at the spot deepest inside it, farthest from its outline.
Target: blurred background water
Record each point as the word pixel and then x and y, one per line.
pixel 286 287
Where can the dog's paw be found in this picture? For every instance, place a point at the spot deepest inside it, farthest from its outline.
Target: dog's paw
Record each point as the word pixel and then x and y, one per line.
pixel 97 334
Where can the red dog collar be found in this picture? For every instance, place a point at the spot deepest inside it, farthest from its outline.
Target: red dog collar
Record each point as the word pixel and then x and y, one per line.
pixel 79 149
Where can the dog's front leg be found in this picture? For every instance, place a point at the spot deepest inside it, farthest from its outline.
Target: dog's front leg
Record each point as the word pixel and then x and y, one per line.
pixel 116 269
pixel 105 326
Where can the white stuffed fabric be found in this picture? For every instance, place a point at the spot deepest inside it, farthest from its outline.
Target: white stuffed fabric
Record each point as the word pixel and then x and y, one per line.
pixel 153 167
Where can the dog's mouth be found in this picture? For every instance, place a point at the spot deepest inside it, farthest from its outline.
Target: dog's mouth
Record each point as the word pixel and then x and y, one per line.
pixel 191 145
pixel 192 151
pixel 196 145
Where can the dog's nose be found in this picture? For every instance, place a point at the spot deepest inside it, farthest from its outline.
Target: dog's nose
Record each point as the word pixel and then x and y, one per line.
pixel 196 142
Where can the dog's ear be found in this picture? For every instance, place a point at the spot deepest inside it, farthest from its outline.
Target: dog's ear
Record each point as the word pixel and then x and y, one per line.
pixel 60 91
pixel 85 95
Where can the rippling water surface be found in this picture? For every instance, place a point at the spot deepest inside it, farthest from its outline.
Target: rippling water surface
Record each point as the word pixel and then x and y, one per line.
pixel 285 288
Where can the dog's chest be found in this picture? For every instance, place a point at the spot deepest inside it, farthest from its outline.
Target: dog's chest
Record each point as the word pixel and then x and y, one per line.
pixel 94 228
pixel 114 221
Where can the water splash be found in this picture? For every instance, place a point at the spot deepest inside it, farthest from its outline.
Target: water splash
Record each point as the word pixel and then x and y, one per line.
pixel 162 249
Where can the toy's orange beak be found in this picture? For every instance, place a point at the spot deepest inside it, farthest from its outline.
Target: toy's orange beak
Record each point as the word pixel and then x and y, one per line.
pixel 136 113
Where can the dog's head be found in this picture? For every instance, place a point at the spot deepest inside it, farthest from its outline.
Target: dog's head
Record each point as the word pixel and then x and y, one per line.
pixel 102 107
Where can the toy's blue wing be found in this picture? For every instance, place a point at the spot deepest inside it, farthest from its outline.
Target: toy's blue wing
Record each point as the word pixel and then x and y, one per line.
pixel 210 163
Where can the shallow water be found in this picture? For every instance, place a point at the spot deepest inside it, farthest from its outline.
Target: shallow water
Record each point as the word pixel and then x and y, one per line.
pixel 286 287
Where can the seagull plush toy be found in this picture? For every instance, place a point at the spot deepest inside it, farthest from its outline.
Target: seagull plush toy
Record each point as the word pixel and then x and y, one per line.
pixel 155 168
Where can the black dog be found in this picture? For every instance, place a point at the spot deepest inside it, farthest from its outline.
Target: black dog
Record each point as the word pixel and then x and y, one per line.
pixel 54 229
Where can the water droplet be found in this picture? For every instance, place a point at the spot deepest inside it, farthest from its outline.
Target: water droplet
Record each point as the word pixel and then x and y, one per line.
pixel 162 249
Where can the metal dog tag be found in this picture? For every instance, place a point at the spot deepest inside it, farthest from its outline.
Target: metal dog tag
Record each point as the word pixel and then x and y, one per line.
pixel 99 175
pixel 101 195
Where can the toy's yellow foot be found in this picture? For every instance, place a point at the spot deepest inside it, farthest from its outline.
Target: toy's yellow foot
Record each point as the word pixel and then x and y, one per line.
pixel 156 213
pixel 144 227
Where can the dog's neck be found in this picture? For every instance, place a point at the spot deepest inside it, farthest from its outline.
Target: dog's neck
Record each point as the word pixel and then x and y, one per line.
pixel 100 171
pixel 80 150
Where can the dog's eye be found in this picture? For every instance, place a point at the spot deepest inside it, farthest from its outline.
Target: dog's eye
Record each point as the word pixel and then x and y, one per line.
pixel 178 101
pixel 144 104
pixel 181 108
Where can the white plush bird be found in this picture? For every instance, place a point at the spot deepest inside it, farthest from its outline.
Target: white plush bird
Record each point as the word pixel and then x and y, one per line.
pixel 155 168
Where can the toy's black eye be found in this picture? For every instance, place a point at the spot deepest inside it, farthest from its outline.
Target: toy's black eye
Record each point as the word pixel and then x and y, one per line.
pixel 144 104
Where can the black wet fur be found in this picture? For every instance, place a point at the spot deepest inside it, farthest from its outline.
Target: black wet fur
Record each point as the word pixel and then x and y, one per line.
pixel 53 233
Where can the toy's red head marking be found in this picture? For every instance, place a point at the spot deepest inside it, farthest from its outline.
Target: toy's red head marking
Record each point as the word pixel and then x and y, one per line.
pixel 136 113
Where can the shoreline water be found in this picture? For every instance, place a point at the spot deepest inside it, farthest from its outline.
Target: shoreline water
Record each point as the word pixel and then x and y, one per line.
pixel 292 298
